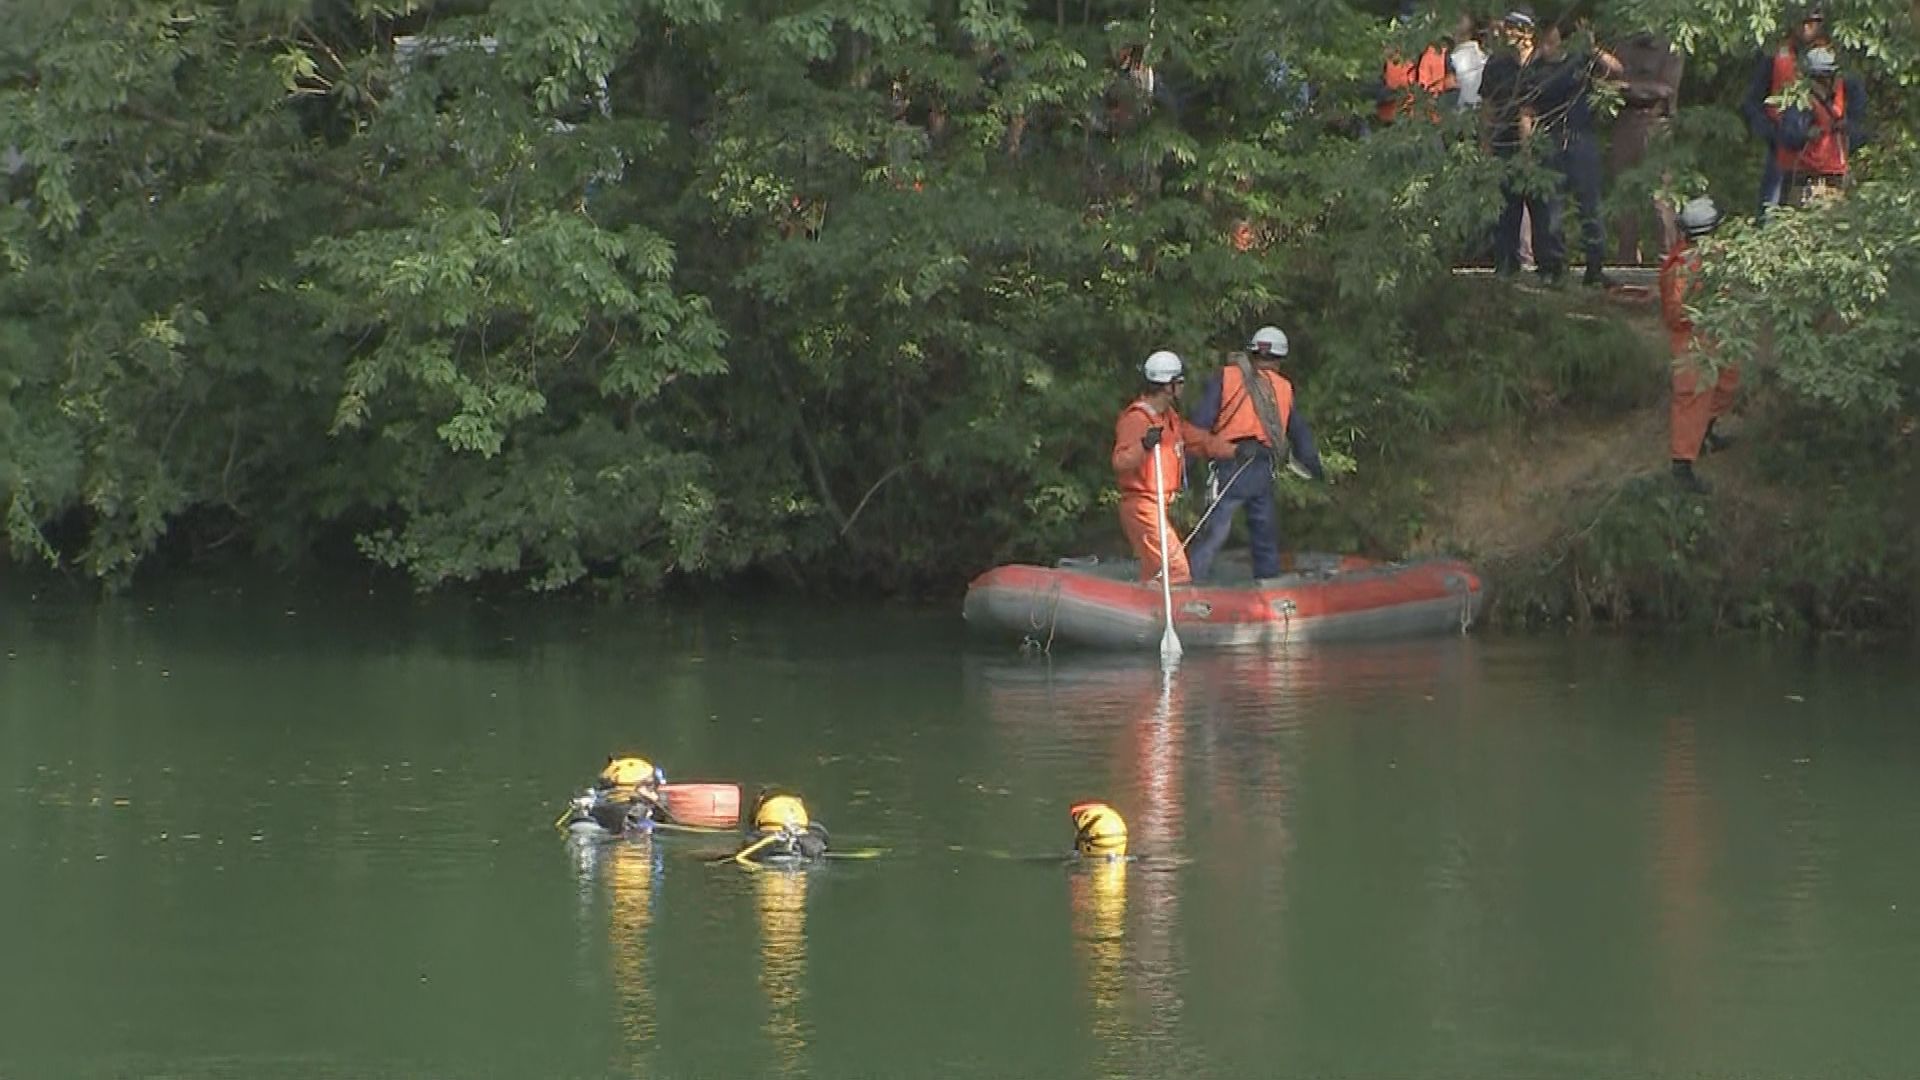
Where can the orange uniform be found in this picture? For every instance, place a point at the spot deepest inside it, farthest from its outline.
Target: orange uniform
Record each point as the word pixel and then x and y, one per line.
pixel 1238 418
pixel 1693 408
pixel 1429 74
pixel 1825 153
pixel 1786 69
pixel 1140 512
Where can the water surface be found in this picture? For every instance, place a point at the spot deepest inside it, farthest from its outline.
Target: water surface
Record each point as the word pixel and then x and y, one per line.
pixel 270 833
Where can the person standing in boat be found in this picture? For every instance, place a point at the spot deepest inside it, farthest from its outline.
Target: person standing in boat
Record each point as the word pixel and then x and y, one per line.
pixel 1148 429
pixel 1250 405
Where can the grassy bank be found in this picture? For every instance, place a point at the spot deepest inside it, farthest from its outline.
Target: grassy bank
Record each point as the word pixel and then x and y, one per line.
pixel 1563 497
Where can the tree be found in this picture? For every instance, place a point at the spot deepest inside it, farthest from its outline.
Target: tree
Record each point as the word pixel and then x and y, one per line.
pixel 626 289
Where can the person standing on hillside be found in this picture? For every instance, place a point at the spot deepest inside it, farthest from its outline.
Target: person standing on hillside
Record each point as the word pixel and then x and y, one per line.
pixel 1557 116
pixel 1501 95
pixel 1694 408
pixel 1651 96
pixel 1404 81
pixel 1250 405
pixel 1773 72
pixel 1815 140
pixel 1150 430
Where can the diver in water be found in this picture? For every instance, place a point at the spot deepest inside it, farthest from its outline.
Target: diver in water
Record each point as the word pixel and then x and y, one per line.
pixel 1099 832
pixel 625 798
pixel 781 833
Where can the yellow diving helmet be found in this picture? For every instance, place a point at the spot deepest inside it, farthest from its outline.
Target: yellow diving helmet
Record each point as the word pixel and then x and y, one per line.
pixel 626 772
pixel 780 812
pixel 1098 829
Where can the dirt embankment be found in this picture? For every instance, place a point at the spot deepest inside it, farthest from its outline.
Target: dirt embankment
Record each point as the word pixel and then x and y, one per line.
pixel 1509 497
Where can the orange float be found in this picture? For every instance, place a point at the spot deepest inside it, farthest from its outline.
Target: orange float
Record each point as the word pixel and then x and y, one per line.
pixel 713 806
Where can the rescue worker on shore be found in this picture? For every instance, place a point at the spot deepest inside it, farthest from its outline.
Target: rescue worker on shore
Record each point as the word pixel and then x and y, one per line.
pixel 1773 72
pixel 1149 430
pixel 624 798
pixel 1402 81
pixel 779 831
pixel 1814 139
pixel 1251 406
pixel 1694 408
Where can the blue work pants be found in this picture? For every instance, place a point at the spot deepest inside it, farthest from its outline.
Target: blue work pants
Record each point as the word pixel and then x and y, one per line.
pixel 1253 489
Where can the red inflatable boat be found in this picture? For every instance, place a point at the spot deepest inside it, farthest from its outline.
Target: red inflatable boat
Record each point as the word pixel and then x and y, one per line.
pixel 1324 598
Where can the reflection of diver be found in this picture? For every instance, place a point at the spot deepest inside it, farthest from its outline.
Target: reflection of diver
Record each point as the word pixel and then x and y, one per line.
pixel 635 874
pixel 1098 893
pixel 1131 975
pixel 783 963
pixel 781 833
pixel 624 799
pixel 627 876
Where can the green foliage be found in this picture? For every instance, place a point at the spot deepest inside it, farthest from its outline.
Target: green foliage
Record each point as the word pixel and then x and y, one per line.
pixel 559 289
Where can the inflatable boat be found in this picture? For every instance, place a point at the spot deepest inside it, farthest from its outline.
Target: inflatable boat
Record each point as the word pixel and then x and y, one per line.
pixel 1321 598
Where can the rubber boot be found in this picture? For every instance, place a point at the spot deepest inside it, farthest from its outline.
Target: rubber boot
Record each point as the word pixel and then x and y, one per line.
pixel 1689 482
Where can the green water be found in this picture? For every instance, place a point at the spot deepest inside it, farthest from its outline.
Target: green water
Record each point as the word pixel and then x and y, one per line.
pixel 260 834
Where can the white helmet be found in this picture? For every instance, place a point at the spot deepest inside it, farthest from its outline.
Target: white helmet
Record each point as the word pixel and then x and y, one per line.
pixel 1270 340
pixel 1699 216
pixel 1820 60
pixel 1162 367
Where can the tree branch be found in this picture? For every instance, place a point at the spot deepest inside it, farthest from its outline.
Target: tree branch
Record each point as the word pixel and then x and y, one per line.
pixel 811 453
pixel 862 504
pixel 307 169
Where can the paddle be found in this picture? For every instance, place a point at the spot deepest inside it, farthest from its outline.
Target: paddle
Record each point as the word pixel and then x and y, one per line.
pixel 1169 641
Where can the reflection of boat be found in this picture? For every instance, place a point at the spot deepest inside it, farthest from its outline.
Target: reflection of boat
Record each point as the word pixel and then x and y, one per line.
pixel 1327 597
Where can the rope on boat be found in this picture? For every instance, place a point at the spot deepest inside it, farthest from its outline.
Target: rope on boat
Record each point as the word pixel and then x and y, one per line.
pixel 1029 643
pixel 1224 488
pixel 1466 601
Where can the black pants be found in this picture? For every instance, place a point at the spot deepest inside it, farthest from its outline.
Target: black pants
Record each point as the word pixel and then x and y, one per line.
pixel 1578 164
pixel 1541 209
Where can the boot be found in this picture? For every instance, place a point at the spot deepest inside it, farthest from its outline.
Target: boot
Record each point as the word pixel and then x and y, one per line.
pixel 1713 441
pixel 1689 482
pixel 1596 277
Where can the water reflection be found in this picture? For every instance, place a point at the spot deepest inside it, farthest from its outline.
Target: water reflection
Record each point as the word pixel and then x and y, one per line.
pixel 1159 741
pixel 781 897
pixel 1098 895
pixel 628 872
pixel 1680 867
pixel 1130 953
